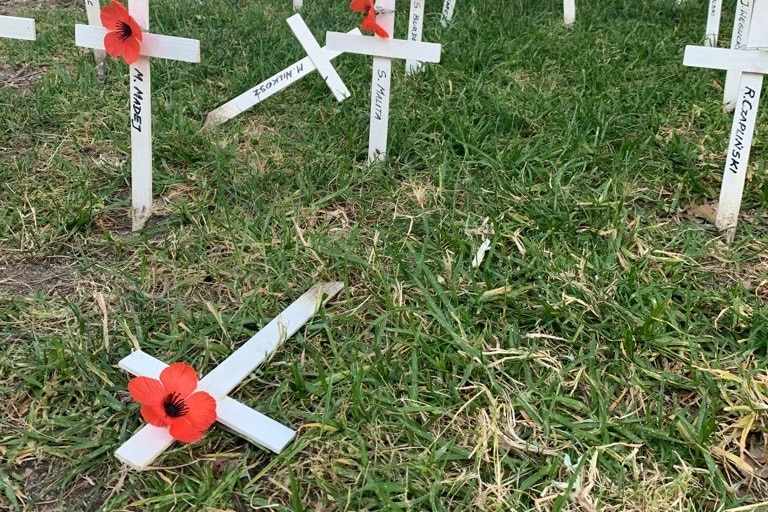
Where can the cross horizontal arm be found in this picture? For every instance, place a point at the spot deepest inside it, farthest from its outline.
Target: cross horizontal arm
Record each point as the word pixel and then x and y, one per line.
pixel 152 45
pixel 17 28
pixel 141 449
pixel 379 47
pixel 752 61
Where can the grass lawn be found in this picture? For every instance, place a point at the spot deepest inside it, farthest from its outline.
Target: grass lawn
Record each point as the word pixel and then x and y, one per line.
pixel 608 354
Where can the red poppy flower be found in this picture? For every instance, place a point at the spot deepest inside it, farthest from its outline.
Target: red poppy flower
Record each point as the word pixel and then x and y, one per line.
pixel 369 21
pixel 124 36
pixel 172 401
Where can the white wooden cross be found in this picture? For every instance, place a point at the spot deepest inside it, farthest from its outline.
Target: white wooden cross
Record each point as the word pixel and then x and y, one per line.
pixel 12 27
pixel 298 4
pixel 753 63
pixel 713 22
pixel 93 11
pixel 317 58
pixel 383 51
pixel 153 45
pixel 446 15
pixel 569 12
pixel 739 37
pixel 150 441
pixel 415 28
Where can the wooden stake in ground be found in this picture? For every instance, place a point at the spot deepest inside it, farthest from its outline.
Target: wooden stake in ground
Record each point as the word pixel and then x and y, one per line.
pixel 291 74
pixel 415 26
pixel 383 51
pixel 446 15
pixel 753 63
pixel 569 12
pixel 92 10
pixel 12 27
pixel 713 22
pixel 150 441
pixel 739 37
pixel 153 45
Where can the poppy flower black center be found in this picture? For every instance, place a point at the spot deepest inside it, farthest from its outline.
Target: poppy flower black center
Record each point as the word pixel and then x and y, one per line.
pixel 175 406
pixel 124 30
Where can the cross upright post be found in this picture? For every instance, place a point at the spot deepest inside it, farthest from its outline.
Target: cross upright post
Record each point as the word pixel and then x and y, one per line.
pixel 713 22
pixel 153 45
pixel 569 12
pixel 92 9
pixel 753 63
pixel 383 51
pixel 739 37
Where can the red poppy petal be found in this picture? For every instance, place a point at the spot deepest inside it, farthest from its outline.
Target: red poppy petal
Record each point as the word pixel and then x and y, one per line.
pixel 113 44
pixel 131 55
pixel 202 410
pixel 182 430
pixel 111 14
pixel 179 378
pixel 146 391
pixel 361 5
pixel 154 415
pixel 380 31
pixel 135 29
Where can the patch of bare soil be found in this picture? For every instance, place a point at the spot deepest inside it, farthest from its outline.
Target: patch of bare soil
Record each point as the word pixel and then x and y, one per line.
pixel 34 275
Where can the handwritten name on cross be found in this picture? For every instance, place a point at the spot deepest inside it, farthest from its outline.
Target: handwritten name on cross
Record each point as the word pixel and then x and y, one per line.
pixel 153 45
pixel 12 27
pixel 415 29
pixel 150 441
pixel 446 15
pixel 383 51
pixel 754 65
pixel 713 22
pixel 741 25
pixel 279 81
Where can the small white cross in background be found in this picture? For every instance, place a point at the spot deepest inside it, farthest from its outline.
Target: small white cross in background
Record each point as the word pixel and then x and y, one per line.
pixel 415 28
pixel 383 51
pixel 713 22
pixel 753 63
pixel 150 441
pixel 92 10
pixel 446 15
pixel 569 12
pixel 12 27
pixel 152 45
pixel 317 58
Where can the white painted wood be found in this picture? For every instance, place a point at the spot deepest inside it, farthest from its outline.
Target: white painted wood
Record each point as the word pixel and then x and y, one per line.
pixel 737 156
pixel 713 22
pixel 298 4
pixel 384 48
pixel 149 442
pixel 152 45
pixel 318 57
pixel 741 26
pixel 446 15
pixel 12 27
pixel 381 85
pixel 93 11
pixel 415 28
pixel 755 61
pixel 267 88
pixel 248 423
pixel 569 12
pixel 754 64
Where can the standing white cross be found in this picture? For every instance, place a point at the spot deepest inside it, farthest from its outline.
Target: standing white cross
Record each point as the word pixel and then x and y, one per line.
pixel 446 15
pixel 713 22
pixel 152 45
pixel 150 441
pixel 12 27
pixel 92 10
pixel 317 58
pixel 383 51
pixel 415 28
pixel 739 37
pixel 753 63
pixel 569 12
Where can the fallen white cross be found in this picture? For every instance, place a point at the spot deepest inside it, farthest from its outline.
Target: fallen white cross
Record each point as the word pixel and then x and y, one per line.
pixel 383 51
pixel 286 77
pixel 150 441
pixel 753 63
pixel 153 45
